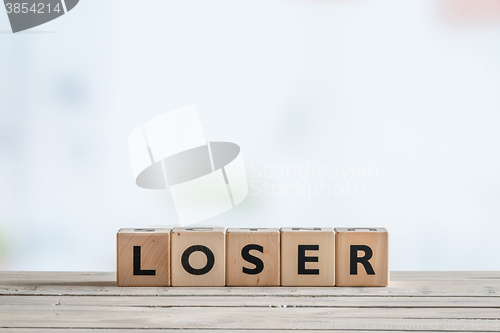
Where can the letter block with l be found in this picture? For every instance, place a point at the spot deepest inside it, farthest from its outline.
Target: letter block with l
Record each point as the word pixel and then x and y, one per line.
pixel 307 257
pixel 362 257
pixel 143 257
pixel 253 257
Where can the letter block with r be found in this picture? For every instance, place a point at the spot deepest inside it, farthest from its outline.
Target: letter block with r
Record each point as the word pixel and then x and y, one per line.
pixel 362 257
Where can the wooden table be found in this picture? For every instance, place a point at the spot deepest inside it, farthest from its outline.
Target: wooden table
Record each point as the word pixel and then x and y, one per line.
pixel 91 302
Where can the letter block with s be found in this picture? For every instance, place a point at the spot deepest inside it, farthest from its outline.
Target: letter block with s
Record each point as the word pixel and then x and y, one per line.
pixel 253 257
pixel 143 257
pixel 307 257
pixel 198 257
pixel 362 257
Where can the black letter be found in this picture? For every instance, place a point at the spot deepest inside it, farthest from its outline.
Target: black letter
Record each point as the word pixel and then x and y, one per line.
pixel 245 254
pixel 137 264
pixel 303 259
pixel 363 260
pixel 200 271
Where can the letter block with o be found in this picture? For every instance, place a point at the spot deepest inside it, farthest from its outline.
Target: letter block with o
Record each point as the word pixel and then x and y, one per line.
pixel 143 257
pixel 362 257
pixel 307 257
pixel 198 257
pixel 253 257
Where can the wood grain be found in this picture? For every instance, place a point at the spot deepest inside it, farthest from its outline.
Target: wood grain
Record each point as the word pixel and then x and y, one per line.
pixel 320 243
pixel 212 240
pixel 371 246
pixel 269 242
pixel 91 302
pixel 153 257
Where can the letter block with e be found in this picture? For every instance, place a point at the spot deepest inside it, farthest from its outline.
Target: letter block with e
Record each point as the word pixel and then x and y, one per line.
pixel 198 257
pixel 253 257
pixel 143 257
pixel 307 257
pixel 362 257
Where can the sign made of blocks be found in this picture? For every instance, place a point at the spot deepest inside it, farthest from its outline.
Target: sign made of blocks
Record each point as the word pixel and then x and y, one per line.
pixel 253 257
pixel 198 257
pixel 143 257
pixel 307 257
pixel 362 257
pixel 212 256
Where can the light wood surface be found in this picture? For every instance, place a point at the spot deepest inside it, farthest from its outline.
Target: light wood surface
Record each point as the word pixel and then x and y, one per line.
pixel 370 265
pixel 307 257
pixel 91 302
pixel 149 250
pixel 198 257
pixel 263 247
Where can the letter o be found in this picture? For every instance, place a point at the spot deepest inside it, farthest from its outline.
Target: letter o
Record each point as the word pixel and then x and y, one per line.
pixel 197 271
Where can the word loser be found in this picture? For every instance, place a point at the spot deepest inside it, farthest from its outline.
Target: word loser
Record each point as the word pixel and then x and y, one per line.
pixel 197 256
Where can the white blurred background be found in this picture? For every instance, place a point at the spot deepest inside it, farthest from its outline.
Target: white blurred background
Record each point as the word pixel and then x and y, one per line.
pixel 410 89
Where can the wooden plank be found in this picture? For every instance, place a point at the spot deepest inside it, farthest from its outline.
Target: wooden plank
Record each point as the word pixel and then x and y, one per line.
pixel 415 301
pixel 239 317
pixel 251 302
pixel 104 284
pixel 475 289
pixel 135 330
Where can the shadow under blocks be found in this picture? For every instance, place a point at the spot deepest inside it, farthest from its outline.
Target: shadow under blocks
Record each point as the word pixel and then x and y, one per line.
pixel 217 257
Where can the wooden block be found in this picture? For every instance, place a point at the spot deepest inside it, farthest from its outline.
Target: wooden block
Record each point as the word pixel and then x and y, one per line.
pixel 198 257
pixel 307 257
pixel 362 258
pixel 253 257
pixel 143 257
